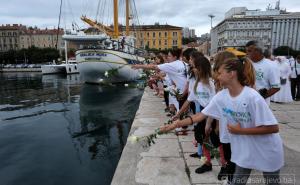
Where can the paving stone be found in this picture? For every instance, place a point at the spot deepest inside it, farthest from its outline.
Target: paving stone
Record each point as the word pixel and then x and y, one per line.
pixel 163 148
pixel 153 122
pixel 161 171
pixel 188 147
pixel 187 138
pixel 205 178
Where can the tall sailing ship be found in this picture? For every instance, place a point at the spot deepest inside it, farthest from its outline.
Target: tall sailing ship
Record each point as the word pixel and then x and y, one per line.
pixel 107 53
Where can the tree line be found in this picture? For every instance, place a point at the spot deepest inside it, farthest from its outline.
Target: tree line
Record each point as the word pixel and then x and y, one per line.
pixel 32 55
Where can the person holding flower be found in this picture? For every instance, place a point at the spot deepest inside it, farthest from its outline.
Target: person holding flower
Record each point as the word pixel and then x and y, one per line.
pixel 253 129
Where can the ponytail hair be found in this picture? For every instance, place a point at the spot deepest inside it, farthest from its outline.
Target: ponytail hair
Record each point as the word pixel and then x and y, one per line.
pixel 244 68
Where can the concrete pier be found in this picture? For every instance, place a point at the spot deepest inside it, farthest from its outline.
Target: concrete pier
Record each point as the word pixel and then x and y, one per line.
pixel 168 162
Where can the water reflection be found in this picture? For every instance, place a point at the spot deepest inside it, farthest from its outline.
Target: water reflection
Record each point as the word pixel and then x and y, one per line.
pixel 56 130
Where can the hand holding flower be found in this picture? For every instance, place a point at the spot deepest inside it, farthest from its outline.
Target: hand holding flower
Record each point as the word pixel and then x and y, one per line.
pixel 169 127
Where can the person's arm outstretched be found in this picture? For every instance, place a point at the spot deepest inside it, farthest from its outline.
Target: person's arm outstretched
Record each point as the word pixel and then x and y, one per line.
pixel 185 122
pixel 266 129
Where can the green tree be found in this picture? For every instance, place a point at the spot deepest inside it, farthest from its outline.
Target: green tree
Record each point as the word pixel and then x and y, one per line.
pixel 188 40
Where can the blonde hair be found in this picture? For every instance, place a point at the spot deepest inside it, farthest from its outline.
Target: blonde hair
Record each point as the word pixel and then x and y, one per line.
pixel 244 68
pixel 219 59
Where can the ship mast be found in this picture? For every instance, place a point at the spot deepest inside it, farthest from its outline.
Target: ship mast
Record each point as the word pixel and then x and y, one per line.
pixel 127 17
pixel 116 23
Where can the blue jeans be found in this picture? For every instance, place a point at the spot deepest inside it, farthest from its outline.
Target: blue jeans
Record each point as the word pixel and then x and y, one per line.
pixel 241 176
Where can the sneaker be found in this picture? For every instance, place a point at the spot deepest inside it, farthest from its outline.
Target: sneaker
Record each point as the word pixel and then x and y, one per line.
pixel 222 174
pixel 204 168
pixel 196 155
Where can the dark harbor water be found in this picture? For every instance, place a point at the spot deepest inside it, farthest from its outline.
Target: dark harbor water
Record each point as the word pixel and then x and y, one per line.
pixel 54 130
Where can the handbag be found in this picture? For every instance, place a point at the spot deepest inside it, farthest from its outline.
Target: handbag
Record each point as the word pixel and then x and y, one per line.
pixel 282 81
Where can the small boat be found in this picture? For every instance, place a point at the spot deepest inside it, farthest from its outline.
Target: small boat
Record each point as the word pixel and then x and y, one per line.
pixel 71 67
pixel 53 69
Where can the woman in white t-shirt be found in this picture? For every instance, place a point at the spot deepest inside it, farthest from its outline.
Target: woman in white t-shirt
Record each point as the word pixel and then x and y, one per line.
pixel 253 129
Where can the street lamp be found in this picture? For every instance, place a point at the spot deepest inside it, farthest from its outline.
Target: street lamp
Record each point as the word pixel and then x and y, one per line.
pixel 207 41
pixel 211 17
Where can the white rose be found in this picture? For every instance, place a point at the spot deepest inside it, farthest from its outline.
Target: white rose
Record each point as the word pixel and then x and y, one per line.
pixel 133 139
pixel 203 159
pixel 106 73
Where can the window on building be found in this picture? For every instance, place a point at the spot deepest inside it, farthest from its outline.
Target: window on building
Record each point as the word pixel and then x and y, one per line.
pixel 154 43
pixel 3 34
pixel 159 34
pixel 159 42
pixel 166 42
pixel 142 43
pixel 174 42
pixel 166 34
pixel 148 34
pixel 153 34
pixel 141 35
pixel 174 34
pixel 9 34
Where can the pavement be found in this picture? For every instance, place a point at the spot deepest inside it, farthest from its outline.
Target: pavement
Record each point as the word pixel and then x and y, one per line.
pixel 167 162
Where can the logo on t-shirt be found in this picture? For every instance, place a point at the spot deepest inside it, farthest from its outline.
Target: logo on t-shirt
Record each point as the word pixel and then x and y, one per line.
pixel 237 116
pixel 202 95
pixel 259 75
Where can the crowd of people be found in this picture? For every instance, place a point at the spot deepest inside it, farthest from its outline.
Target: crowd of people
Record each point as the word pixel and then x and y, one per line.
pixel 227 100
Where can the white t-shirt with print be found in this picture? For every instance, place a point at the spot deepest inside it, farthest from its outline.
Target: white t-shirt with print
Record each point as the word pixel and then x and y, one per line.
pixel 293 75
pixel 267 75
pixel 203 94
pixel 260 152
pixel 177 72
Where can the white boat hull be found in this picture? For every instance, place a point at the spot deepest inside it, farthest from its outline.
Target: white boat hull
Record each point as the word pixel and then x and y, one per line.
pixel 53 69
pixel 60 69
pixel 93 64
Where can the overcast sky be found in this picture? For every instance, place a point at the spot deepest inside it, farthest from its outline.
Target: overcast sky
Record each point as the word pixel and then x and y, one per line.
pixel 184 13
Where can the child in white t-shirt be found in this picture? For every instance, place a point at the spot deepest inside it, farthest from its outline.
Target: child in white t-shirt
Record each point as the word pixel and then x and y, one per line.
pixel 200 91
pixel 253 129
